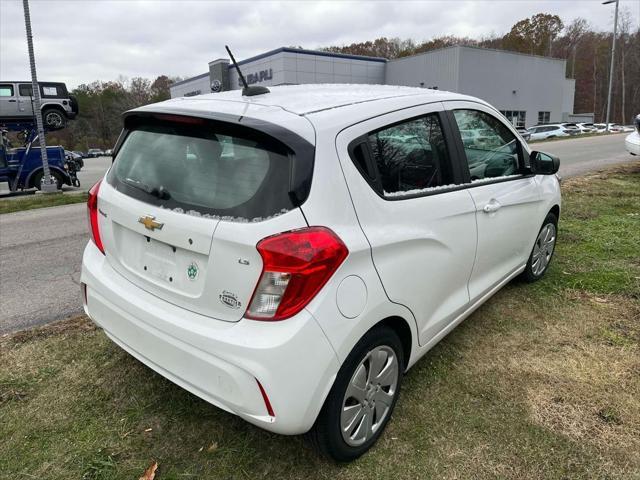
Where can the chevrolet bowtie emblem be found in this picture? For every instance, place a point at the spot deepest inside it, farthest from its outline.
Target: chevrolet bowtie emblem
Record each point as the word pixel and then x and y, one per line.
pixel 150 223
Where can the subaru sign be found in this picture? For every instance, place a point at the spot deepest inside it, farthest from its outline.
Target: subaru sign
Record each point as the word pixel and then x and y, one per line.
pixel 257 77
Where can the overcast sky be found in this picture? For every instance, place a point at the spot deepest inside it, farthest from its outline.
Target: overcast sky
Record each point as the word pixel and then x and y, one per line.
pixel 78 41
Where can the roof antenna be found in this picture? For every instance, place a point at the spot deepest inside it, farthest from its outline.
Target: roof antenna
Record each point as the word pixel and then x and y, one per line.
pixel 247 90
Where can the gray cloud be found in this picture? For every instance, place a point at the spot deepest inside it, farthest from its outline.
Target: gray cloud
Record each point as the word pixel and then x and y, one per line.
pixel 80 41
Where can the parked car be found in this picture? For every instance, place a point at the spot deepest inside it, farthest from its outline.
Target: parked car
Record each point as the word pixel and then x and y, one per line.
pixel 632 141
pixel 82 154
pixel 16 103
pixel 542 132
pixel 586 127
pixel 571 128
pixel 524 133
pixel 602 127
pixel 108 152
pixel 94 152
pixel 289 264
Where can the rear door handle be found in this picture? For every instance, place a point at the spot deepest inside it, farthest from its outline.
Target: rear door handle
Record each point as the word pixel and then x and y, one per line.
pixel 492 206
pixel 12 101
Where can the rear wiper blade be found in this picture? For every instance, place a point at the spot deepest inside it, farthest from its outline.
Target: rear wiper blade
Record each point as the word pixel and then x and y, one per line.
pixel 159 192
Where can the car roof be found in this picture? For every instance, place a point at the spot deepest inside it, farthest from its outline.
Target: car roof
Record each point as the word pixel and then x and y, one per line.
pixel 320 104
pixel 309 98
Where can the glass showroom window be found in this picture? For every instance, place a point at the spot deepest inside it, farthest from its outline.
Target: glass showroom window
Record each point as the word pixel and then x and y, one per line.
pixel 543 117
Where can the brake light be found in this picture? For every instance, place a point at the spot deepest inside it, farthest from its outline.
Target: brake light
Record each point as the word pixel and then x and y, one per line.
pixel 296 265
pixel 180 119
pixel 92 213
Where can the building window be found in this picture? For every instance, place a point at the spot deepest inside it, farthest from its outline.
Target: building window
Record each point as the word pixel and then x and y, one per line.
pixel 544 117
pixel 517 118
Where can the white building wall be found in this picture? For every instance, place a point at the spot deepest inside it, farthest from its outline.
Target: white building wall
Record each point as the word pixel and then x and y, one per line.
pixel 512 81
pixel 438 68
pixel 297 68
pixel 196 86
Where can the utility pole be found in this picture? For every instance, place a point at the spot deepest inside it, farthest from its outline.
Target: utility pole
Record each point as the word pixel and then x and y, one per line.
pixel 613 56
pixel 47 186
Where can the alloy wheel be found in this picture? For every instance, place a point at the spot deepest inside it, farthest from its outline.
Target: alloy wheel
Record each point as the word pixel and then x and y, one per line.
pixel 54 119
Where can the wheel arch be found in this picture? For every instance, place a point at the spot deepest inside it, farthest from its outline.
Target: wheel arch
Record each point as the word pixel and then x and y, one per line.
pixel 53 106
pixel 402 328
pixel 556 211
pixel 52 169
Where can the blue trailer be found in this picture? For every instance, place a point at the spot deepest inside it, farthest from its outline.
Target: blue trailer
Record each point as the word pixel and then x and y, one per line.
pixel 21 167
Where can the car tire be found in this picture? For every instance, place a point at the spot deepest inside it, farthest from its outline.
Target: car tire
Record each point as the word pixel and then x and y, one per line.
pixel 353 418
pixel 542 251
pixel 36 180
pixel 53 119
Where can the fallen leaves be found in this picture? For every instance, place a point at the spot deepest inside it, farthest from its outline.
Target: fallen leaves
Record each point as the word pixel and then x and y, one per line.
pixel 150 472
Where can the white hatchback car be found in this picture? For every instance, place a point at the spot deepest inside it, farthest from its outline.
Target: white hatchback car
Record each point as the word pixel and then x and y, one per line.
pixel 288 256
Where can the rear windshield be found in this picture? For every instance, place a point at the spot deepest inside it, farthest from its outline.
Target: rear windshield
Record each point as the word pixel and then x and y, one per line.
pixel 208 169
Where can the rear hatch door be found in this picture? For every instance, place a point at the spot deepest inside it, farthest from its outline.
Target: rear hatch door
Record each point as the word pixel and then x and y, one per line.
pixel 186 202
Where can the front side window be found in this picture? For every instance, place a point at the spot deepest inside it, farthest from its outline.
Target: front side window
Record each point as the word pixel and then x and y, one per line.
pixel 491 148
pixel 411 156
pixel 25 90
pixel 6 90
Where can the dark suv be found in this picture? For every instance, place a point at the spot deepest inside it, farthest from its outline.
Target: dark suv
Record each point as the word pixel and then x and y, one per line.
pixel 16 103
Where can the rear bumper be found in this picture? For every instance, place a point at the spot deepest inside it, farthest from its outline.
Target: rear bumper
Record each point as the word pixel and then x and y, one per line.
pixel 215 360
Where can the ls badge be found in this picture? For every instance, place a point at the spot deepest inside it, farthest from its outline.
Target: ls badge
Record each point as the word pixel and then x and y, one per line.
pixel 230 299
pixel 192 271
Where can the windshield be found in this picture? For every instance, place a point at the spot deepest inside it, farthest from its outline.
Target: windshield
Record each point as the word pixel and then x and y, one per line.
pixel 201 169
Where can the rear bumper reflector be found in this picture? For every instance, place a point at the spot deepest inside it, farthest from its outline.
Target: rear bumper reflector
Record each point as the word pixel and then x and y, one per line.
pixel 267 403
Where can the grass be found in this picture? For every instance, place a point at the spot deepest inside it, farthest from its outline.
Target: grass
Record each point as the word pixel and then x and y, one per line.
pixel 542 382
pixel 39 201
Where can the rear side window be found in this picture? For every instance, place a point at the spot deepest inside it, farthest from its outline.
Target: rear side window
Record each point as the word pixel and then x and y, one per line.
pixel 494 151
pixel 25 90
pixel 411 156
pixel 49 91
pixel 224 171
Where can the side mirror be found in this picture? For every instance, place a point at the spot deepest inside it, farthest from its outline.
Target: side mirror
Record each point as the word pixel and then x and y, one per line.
pixel 543 163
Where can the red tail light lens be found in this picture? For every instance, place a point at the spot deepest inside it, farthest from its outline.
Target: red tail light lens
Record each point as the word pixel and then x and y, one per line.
pixel 296 265
pixel 92 213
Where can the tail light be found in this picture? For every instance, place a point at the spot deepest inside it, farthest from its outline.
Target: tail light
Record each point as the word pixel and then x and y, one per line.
pixel 92 213
pixel 296 265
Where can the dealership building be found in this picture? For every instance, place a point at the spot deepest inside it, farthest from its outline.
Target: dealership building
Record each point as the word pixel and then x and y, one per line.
pixel 527 89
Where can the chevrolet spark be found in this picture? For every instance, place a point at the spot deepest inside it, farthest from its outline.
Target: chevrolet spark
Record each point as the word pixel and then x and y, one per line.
pixel 288 256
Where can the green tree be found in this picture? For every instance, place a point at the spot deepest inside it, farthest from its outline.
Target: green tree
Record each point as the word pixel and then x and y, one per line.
pixel 534 35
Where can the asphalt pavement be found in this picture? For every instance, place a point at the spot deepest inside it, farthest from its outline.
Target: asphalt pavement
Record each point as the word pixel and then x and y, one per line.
pixel 92 171
pixel 582 155
pixel 41 250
